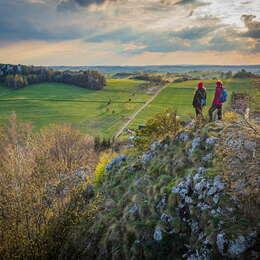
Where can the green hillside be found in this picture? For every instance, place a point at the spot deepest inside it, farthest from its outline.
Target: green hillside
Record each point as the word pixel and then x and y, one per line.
pixel 88 110
pixel 48 103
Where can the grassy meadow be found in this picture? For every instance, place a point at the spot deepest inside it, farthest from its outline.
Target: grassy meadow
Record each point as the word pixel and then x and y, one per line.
pixel 49 103
pixel 179 96
pixel 90 111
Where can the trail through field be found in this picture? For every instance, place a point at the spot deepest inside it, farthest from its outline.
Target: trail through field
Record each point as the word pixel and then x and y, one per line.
pixel 133 116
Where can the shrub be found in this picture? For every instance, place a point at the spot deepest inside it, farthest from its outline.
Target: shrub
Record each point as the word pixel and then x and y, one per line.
pixel 230 116
pixel 100 170
pixel 161 125
pixel 37 179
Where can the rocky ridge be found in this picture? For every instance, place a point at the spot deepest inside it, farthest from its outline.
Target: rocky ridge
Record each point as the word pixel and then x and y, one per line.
pixel 184 198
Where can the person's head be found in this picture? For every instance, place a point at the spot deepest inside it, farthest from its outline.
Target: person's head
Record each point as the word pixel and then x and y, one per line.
pixel 219 84
pixel 200 85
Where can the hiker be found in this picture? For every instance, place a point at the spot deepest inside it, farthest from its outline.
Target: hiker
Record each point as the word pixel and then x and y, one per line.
pixel 219 98
pixel 199 100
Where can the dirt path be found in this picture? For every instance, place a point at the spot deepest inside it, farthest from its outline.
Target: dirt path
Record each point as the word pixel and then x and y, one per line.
pixel 133 116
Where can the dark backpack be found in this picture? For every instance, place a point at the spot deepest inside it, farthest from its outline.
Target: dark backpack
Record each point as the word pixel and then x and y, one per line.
pixel 202 99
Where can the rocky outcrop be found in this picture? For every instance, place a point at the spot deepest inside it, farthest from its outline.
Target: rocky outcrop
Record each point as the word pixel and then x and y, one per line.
pixel 179 200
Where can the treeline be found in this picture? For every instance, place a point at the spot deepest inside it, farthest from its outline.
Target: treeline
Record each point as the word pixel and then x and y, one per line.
pixel 243 74
pixel 153 78
pixel 18 76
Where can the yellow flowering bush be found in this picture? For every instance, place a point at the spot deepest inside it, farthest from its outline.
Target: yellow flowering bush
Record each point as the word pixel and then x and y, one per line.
pixel 104 159
pixel 230 116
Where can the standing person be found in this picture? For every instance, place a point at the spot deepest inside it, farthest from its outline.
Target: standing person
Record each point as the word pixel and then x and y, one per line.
pixel 199 99
pixel 219 98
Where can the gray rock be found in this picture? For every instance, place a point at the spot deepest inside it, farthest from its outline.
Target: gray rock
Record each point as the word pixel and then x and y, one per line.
pixel 208 157
pixel 165 146
pixel 216 199
pixel 211 140
pixel 241 244
pixel 218 184
pixel 157 235
pixel 182 188
pixel 199 175
pixel 82 173
pixel 234 143
pixel 200 186
pixel 222 243
pixel 148 156
pixel 188 200
pixel 194 145
pixel 133 209
pixel 201 170
pixel 116 161
pixel 162 203
pixel 212 191
pixel 155 145
pixel 191 124
pixel 132 138
pixel 194 226
pixel 183 137
pixel 166 218
pixel 214 213
pixel 250 145
pixel 202 254
pixel 203 206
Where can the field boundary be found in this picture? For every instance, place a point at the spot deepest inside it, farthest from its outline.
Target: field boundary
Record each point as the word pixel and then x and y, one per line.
pixel 133 116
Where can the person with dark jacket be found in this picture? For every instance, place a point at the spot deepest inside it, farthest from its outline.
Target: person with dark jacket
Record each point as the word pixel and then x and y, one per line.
pixel 217 101
pixel 199 99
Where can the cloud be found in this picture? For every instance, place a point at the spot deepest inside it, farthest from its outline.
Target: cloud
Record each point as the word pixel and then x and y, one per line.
pixel 178 2
pixel 133 27
pixel 73 5
pixel 184 2
pixel 253 26
pixel 195 32
pixel 196 39
pixel 23 20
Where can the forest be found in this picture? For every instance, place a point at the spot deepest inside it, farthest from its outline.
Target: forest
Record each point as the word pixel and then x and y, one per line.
pixel 19 76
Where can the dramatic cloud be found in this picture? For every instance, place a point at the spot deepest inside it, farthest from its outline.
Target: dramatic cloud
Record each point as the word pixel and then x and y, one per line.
pixel 252 26
pixel 126 29
pixel 73 4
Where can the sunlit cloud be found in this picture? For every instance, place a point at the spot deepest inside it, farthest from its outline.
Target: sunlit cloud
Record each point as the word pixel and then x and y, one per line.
pixel 127 30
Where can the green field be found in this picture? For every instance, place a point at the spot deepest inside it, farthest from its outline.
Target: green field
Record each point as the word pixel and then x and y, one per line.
pixel 49 103
pixel 179 96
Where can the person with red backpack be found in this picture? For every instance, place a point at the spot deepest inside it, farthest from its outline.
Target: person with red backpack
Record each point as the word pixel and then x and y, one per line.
pixel 199 99
pixel 219 98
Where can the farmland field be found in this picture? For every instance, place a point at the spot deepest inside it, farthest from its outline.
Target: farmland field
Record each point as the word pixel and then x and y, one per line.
pixel 90 111
pixel 48 103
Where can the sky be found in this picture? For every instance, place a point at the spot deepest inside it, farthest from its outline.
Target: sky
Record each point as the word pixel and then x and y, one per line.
pixel 130 32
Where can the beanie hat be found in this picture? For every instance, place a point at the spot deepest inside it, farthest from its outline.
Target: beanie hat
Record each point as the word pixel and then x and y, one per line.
pixel 200 85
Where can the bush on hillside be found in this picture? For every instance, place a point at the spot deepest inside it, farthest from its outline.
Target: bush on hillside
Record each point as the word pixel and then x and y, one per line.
pixel 102 144
pixel 161 125
pixel 38 175
pixel 104 159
